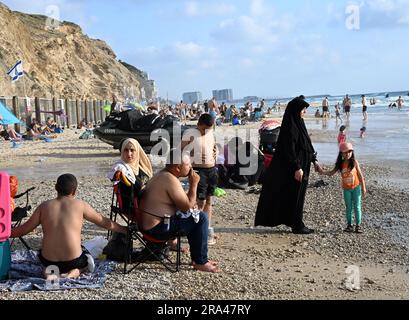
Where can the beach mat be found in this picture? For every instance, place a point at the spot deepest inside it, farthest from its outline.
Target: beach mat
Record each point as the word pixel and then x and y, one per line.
pixel 26 275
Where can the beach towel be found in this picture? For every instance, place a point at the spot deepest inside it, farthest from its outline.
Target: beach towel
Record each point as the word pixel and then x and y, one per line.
pixel 26 275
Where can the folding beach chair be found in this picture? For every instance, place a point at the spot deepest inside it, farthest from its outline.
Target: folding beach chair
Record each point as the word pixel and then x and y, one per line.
pixel 19 213
pixel 125 204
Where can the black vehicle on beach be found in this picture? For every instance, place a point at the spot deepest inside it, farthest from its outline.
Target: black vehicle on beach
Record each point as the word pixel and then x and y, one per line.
pixel 148 130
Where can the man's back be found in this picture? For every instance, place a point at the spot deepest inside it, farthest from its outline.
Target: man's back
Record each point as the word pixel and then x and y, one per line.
pixel 61 220
pixel 156 198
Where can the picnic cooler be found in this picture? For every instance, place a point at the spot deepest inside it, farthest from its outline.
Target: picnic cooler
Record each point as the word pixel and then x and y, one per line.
pixel 5 259
pixel 5 224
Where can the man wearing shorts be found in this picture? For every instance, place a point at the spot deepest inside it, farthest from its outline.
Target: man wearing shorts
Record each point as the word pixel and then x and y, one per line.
pixel 347 103
pixel 364 108
pixel 204 154
pixel 61 220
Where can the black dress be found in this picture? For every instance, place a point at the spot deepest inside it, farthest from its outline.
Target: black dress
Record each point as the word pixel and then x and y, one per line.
pixel 282 197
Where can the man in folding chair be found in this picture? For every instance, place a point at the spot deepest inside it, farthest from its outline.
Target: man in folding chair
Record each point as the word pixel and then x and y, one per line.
pixel 164 196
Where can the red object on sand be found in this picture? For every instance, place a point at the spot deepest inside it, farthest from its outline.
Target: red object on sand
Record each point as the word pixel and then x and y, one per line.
pixel 267 160
pixel 5 207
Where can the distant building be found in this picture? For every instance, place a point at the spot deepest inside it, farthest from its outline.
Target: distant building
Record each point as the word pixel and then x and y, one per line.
pixel 223 95
pixel 192 97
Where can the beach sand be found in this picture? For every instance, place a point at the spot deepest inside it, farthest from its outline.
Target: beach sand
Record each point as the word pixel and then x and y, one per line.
pixel 257 263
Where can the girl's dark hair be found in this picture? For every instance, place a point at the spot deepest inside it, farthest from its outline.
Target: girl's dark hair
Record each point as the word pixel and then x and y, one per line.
pixel 340 160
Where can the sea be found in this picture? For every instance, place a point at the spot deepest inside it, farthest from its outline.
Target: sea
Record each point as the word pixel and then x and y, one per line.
pixel 387 130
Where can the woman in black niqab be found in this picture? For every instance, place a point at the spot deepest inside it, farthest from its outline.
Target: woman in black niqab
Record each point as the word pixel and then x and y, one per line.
pixel 285 185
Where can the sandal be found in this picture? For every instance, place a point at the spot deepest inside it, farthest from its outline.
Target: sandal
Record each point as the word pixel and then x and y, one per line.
pixel 349 228
pixel 358 229
pixel 211 241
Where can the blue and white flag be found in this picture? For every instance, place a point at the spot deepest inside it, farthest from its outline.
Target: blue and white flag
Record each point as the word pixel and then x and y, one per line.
pixel 17 71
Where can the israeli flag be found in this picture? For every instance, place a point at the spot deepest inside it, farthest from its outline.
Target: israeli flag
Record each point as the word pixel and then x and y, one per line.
pixel 17 71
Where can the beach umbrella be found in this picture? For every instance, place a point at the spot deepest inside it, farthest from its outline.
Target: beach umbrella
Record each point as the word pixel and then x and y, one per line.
pixel 6 117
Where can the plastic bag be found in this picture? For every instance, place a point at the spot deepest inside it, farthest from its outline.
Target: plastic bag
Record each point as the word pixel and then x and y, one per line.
pixel 95 246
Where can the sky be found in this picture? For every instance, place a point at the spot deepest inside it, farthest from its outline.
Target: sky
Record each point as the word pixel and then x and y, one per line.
pixel 265 48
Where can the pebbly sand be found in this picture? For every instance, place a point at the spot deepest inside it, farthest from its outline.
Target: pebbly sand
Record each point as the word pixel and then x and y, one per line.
pixel 257 263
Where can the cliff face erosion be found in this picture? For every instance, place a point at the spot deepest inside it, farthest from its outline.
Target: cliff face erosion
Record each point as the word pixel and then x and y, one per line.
pixel 62 62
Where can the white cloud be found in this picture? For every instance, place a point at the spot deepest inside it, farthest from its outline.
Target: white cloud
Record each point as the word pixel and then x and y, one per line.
pixel 263 26
pixel 247 62
pixel 192 9
pixel 196 8
pixel 382 5
pixel 373 13
pixel 189 49
pixel 257 7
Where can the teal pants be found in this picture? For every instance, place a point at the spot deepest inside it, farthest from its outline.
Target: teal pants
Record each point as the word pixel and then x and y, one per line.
pixel 352 199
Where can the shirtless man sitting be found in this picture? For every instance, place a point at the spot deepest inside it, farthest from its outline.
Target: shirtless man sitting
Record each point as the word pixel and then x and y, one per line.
pixel 164 195
pixel 61 220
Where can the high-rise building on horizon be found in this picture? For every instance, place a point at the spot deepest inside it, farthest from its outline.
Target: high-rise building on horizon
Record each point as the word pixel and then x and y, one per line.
pixel 192 97
pixel 223 95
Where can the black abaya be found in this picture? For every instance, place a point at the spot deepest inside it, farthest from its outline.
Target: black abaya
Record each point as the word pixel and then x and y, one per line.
pixel 282 197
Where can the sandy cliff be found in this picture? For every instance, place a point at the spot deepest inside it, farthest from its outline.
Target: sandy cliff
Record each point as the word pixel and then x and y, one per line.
pixel 61 62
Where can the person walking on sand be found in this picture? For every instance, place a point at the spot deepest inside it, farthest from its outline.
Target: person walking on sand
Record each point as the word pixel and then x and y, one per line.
pixel 61 220
pixel 353 184
pixel 286 180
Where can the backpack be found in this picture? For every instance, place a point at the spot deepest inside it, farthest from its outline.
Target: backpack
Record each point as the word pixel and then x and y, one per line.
pixel 116 249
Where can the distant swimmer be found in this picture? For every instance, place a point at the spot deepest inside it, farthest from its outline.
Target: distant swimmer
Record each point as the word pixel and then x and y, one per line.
pixel 347 104
pixel 363 130
pixel 325 108
pixel 364 108
pixel 400 102
pixel 337 112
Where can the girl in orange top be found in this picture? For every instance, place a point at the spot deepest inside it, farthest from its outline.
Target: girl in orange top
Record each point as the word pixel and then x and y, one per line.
pixel 353 184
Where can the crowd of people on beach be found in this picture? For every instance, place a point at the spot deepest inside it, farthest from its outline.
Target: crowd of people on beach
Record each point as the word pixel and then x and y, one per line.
pixel 220 111
pixel 34 131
